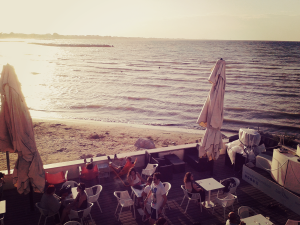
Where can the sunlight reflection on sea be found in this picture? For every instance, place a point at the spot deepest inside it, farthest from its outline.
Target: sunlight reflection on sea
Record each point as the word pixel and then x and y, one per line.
pixel 159 82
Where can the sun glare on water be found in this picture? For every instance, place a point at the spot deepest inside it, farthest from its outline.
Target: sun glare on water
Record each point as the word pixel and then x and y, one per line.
pixel 35 73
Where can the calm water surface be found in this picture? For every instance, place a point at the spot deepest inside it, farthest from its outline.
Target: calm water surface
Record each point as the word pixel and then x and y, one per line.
pixel 159 82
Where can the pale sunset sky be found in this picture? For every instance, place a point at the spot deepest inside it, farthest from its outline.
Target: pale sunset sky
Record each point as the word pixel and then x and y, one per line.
pixel 190 19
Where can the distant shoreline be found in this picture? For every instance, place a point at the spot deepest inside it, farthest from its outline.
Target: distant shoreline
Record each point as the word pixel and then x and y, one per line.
pixel 59 36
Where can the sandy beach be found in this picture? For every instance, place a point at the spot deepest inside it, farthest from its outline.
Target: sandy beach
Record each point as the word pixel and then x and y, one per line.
pixel 66 140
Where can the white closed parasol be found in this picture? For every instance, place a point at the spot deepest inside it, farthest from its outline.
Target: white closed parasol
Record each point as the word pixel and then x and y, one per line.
pixel 16 134
pixel 211 115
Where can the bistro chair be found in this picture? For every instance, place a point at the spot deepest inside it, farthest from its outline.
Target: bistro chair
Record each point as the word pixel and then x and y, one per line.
pixel 231 189
pixel 56 178
pixel 167 186
pixel 45 213
pixel 190 197
pixel 124 171
pixel 81 214
pixel 94 197
pixel 124 200
pixel 71 183
pixel 87 174
pixel 225 202
pixel 149 170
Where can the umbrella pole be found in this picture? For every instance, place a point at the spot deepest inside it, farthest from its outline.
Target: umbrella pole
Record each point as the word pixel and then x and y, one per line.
pixel 7 161
pixel 31 197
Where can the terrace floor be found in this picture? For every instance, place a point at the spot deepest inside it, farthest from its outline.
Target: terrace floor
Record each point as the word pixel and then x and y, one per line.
pixel 18 211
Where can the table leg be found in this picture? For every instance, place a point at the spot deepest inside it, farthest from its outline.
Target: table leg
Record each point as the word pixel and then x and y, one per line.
pixel 208 203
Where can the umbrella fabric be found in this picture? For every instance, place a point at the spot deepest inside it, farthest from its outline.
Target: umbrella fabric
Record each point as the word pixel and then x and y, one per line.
pixel 16 134
pixel 211 115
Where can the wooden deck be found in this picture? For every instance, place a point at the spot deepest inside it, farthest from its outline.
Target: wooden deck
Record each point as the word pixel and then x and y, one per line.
pixel 18 210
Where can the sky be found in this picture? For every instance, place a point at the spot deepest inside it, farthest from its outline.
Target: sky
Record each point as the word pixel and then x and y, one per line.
pixel 189 19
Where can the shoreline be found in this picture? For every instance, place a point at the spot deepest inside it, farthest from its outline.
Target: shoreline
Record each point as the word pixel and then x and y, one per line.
pixel 226 132
pixel 60 140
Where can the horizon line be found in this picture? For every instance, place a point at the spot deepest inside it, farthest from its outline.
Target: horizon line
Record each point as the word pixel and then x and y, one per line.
pixel 91 36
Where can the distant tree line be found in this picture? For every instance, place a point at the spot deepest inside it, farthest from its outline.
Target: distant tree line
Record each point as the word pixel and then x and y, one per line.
pixel 50 36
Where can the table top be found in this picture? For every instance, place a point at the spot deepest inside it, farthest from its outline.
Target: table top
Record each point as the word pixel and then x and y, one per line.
pixel 2 206
pixel 210 184
pixel 257 219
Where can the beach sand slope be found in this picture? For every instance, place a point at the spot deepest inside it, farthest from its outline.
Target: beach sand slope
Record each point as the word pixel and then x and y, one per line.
pixel 67 140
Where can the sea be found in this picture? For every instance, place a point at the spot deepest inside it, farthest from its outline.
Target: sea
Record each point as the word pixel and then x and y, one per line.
pixel 158 82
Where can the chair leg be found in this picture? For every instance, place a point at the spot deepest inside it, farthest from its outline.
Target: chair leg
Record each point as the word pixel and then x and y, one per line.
pixel 40 219
pixel 91 217
pixel 99 206
pixel 120 213
pixel 144 213
pixel 117 208
pixel 200 205
pixel 134 211
pixel 45 221
pixel 187 206
pixel 182 200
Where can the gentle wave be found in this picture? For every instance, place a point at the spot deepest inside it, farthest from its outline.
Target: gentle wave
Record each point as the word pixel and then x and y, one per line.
pixel 165 82
pixel 265 112
pixel 261 124
pixel 138 99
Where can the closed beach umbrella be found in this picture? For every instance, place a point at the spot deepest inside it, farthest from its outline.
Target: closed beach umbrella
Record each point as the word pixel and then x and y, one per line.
pixel 16 134
pixel 211 115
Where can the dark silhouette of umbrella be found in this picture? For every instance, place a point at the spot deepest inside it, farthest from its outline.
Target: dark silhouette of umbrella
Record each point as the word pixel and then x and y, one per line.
pixel 16 134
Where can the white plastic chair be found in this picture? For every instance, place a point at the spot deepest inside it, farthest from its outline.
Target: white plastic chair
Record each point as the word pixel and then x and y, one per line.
pixel 72 223
pixel 193 197
pixel 149 170
pixel 124 201
pixel 244 212
pixel 94 197
pixel 232 190
pixel 226 202
pixel 167 186
pixel 77 214
pixel 44 213
pixel 71 183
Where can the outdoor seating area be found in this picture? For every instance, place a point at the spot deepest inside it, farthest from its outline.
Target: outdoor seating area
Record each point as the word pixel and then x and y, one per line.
pixel 108 198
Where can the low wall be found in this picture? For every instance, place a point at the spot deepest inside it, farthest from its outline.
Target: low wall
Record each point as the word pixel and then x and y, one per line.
pixel 73 166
